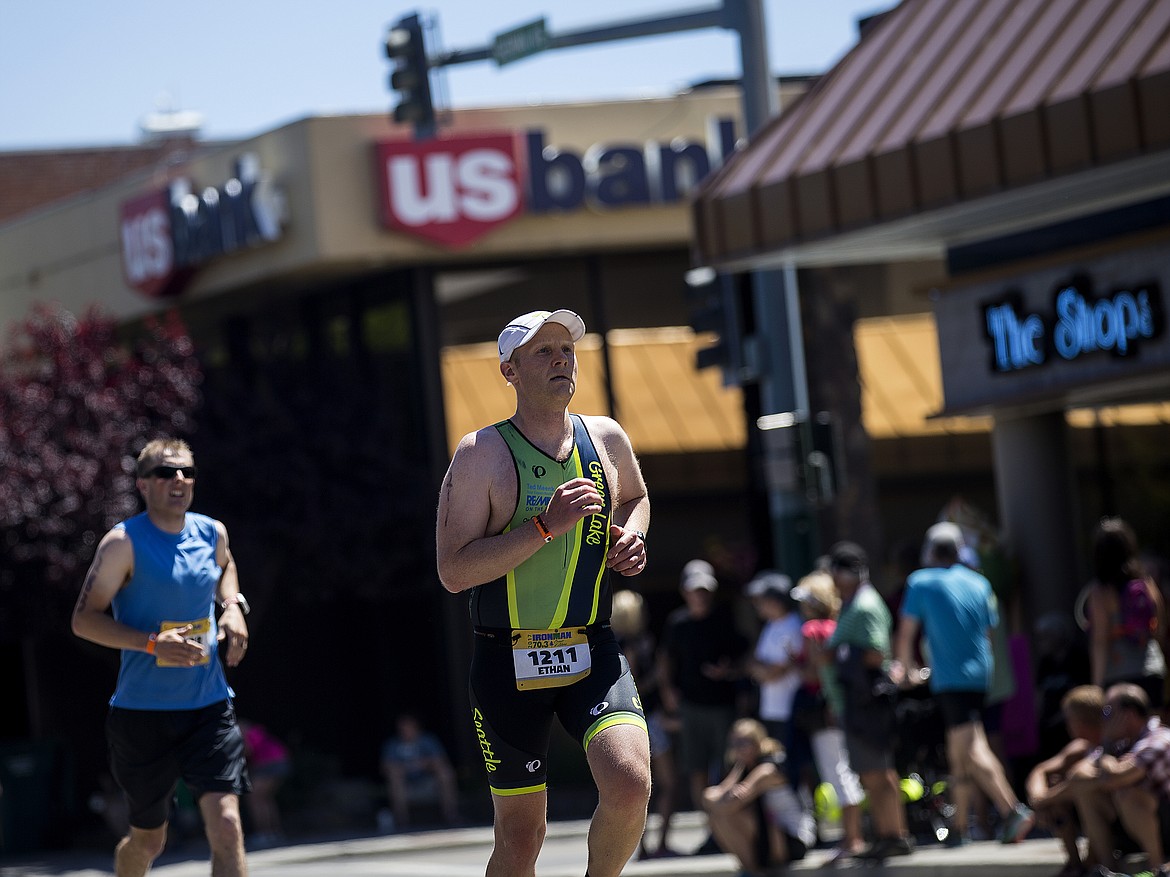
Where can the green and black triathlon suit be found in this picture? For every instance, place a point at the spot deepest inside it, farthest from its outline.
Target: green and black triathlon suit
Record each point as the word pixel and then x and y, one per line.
pixel 543 645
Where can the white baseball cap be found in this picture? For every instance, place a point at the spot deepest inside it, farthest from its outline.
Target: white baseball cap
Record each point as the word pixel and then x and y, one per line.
pixel 945 535
pixel 698 575
pixel 520 331
pixel 769 583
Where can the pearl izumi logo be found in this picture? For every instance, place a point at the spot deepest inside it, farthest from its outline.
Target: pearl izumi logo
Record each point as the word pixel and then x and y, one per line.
pixel 455 190
pixel 167 234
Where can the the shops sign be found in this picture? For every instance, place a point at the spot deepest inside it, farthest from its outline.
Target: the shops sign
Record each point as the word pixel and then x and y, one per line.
pixel 1078 324
pixel 168 233
pixel 454 191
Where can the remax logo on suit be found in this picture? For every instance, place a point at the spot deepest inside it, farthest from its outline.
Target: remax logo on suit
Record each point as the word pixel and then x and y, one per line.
pixel 453 191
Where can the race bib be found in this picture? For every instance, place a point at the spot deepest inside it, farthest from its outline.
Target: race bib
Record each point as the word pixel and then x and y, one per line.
pixel 550 658
pixel 200 632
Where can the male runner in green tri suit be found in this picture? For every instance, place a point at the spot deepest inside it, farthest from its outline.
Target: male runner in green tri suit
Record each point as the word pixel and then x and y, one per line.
pixel 534 513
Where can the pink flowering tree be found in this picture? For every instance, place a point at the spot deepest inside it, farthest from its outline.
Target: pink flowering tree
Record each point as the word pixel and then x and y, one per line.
pixel 78 399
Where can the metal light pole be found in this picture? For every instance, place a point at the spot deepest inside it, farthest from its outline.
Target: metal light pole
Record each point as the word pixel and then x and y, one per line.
pixel 775 297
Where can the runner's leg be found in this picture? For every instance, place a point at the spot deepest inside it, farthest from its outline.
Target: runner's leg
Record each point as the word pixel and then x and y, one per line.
pixel 519 834
pixel 619 757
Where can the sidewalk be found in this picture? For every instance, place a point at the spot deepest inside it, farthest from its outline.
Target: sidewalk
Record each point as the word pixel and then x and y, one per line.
pixel 464 851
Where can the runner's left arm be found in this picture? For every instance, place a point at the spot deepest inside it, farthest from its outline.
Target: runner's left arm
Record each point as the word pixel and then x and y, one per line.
pixel 631 512
pixel 232 626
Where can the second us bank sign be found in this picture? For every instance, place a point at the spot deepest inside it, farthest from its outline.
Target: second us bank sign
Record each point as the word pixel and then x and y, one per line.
pixel 453 191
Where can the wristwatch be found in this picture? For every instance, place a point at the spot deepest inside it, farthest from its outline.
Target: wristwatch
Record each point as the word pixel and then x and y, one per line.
pixel 237 598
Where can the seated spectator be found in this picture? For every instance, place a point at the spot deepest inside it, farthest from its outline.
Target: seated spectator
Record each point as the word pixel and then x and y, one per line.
pixel 268 765
pixel 1049 791
pixel 417 771
pixel 754 814
pixel 1126 781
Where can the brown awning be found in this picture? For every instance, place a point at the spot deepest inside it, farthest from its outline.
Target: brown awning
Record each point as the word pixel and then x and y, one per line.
pixel 945 103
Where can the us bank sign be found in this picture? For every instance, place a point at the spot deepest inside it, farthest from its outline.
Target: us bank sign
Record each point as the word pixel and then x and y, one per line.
pixel 453 191
pixel 169 233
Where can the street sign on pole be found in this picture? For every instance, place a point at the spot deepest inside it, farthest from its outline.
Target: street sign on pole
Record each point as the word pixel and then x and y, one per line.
pixel 520 42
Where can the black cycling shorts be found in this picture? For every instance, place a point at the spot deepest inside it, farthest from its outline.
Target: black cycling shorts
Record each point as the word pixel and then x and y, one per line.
pixel 151 750
pixel 513 726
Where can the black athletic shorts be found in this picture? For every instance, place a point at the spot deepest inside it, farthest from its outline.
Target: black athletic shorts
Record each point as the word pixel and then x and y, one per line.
pixel 513 726
pixel 150 750
pixel 960 707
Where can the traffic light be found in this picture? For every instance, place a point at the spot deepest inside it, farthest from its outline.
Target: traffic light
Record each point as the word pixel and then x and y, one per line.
pixel 715 307
pixel 410 77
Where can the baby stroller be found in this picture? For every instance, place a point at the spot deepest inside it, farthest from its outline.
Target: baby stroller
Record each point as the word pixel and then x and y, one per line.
pixel 921 760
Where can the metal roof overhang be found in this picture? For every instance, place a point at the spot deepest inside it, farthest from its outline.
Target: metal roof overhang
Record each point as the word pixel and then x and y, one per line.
pixel 947 124
pixel 930 234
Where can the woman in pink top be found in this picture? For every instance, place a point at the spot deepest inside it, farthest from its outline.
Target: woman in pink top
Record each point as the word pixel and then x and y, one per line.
pixel 268 765
pixel 819 603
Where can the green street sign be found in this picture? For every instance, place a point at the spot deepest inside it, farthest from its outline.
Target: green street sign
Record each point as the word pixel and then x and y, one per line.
pixel 520 42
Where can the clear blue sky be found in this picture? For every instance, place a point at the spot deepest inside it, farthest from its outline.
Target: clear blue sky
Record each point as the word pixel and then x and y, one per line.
pixel 85 73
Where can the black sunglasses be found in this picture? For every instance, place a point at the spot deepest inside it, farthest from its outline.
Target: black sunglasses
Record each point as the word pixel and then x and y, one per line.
pixel 169 472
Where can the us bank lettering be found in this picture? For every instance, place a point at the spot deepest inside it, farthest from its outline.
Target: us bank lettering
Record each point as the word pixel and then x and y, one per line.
pixel 596 533
pixel 456 189
pixel 489 756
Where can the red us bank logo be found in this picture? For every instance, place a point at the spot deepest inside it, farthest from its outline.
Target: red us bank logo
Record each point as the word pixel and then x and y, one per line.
pixel 449 191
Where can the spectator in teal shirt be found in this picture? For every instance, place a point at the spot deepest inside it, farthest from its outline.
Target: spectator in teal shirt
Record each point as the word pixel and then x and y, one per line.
pixel 861 645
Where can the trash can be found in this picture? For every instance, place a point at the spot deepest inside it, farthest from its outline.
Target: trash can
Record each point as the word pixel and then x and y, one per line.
pixel 26 794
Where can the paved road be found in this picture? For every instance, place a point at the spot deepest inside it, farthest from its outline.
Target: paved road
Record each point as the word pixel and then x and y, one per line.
pixel 464 852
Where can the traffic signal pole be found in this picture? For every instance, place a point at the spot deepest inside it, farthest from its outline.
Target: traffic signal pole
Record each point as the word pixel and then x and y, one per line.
pixel 786 426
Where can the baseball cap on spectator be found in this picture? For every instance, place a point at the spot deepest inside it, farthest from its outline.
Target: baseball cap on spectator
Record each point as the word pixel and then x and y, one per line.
pixel 698 575
pixel 769 583
pixel 848 555
pixel 945 535
pixel 520 330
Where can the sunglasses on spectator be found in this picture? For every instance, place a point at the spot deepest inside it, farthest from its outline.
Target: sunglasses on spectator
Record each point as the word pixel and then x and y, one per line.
pixel 169 472
pixel 741 741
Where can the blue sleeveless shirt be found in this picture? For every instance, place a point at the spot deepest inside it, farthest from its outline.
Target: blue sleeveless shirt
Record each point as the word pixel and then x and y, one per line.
pixel 174 584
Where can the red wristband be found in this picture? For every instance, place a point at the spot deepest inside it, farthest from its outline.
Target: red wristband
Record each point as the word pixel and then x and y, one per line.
pixel 545 532
pixel 151 642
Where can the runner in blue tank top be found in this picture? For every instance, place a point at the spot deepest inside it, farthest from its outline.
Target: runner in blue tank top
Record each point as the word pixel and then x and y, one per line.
pixel 164 574
pixel 534 514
